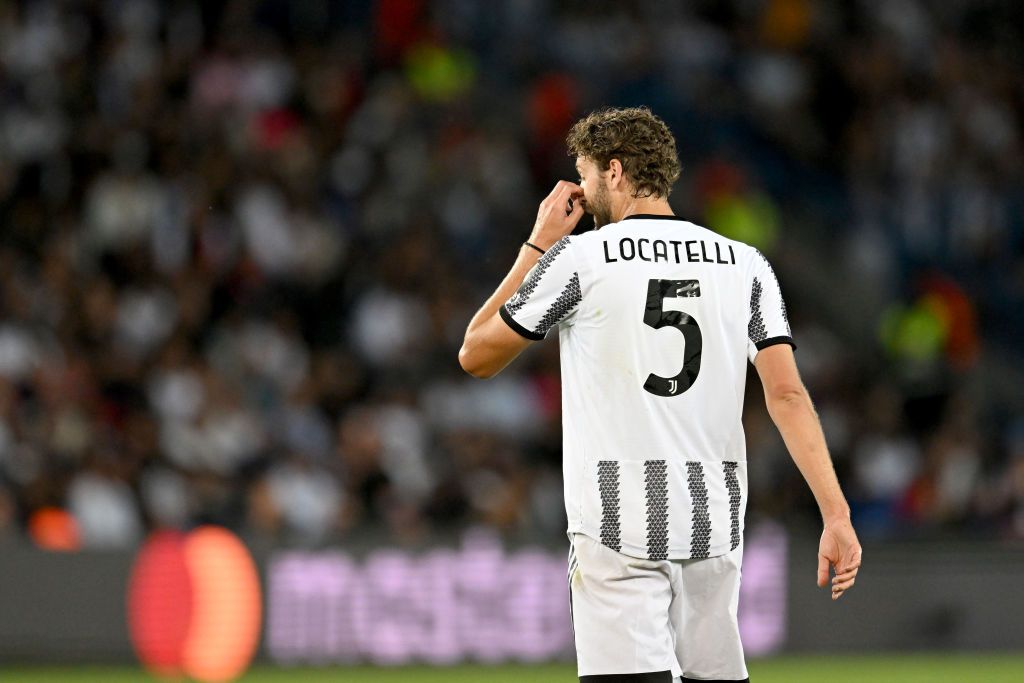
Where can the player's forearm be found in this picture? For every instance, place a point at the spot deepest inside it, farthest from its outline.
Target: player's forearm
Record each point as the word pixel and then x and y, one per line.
pixel 524 262
pixel 794 415
pixel 486 350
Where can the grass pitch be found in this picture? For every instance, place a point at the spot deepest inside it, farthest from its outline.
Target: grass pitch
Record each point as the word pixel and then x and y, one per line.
pixel 917 668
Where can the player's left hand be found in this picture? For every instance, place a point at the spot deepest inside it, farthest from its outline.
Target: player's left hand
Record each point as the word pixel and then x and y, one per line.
pixel 555 219
pixel 839 549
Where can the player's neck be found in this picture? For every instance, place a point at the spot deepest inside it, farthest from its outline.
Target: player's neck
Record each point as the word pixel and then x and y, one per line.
pixel 645 206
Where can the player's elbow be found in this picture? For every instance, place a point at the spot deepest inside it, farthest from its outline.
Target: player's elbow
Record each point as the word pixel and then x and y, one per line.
pixel 787 396
pixel 472 363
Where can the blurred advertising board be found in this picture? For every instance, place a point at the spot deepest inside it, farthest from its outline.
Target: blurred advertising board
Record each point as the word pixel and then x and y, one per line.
pixel 479 602
pixel 475 599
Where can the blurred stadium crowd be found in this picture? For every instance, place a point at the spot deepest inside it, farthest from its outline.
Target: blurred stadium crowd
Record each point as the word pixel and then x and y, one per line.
pixel 240 241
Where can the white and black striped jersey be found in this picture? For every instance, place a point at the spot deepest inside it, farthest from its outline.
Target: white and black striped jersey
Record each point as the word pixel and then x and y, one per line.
pixel 657 318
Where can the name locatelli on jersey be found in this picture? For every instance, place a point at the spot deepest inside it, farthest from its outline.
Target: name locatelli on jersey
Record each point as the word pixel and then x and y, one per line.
pixel 656 251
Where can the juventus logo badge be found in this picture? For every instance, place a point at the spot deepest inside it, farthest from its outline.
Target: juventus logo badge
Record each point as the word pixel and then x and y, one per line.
pixel 672 385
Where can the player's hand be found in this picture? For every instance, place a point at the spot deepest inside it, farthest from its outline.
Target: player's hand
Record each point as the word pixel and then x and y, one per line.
pixel 558 214
pixel 839 549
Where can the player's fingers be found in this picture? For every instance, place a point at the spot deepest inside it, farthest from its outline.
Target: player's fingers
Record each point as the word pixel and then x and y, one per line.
pixel 575 210
pixel 822 571
pixel 556 190
pixel 563 193
pixel 843 584
pixel 844 576
pixel 848 567
pixel 556 197
pixel 855 559
pixel 564 188
pixel 566 202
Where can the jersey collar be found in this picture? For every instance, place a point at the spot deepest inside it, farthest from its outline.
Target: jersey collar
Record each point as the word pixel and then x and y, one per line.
pixel 648 216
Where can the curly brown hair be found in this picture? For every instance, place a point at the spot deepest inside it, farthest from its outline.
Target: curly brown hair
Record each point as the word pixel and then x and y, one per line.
pixel 638 139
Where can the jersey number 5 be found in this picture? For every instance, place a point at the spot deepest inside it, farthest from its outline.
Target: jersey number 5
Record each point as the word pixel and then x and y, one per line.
pixel 657 317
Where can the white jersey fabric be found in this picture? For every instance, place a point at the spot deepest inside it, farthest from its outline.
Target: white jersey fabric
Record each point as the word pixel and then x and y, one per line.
pixel 657 318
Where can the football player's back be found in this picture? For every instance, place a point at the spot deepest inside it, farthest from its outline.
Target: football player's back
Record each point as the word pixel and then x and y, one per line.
pixel 654 349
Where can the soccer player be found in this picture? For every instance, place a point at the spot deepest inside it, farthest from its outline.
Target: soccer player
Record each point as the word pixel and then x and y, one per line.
pixel 656 319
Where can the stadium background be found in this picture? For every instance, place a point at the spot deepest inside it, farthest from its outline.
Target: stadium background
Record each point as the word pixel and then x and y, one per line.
pixel 240 241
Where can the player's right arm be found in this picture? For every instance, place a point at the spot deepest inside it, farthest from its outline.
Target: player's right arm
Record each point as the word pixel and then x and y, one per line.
pixel 491 341
pixel 791 409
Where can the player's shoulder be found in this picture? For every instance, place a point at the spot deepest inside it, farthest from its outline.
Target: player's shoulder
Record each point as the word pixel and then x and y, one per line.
pixel 579 244
pixel 748 257
pixel 746 254
pixel 747 250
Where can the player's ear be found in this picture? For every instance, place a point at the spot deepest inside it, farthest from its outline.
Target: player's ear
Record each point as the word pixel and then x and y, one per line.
pixel 614 174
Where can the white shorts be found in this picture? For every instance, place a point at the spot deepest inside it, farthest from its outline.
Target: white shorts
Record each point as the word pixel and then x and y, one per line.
pixel 636 616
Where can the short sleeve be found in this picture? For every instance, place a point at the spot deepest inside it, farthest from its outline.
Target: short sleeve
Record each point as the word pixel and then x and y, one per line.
pixel 768 323
pixel 550 295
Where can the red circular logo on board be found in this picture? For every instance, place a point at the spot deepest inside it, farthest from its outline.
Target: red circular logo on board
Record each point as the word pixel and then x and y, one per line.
pixel 194 605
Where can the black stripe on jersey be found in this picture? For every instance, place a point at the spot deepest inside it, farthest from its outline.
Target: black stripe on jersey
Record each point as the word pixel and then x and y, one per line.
pixel 772 341
pixel 516 327
pixel 608 487
pixel 782 300
pixel 756 331
pixel 563 306
pixel 732 483
pixel 656 483
pixel 522 295
pixel 700 538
